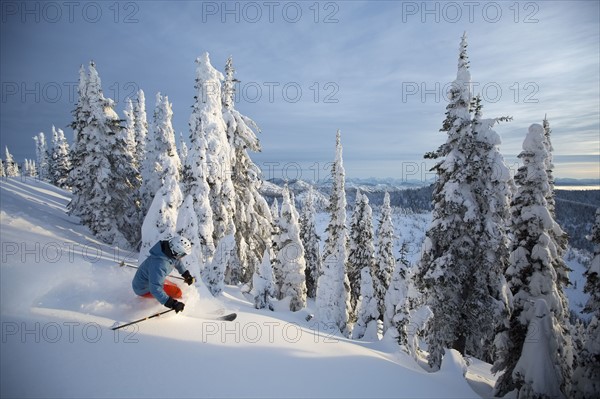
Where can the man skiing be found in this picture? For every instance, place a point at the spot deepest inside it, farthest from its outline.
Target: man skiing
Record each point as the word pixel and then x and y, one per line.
pixel 149 280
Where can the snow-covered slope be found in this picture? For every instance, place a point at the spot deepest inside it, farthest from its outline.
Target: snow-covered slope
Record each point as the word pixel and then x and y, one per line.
pixel 62 290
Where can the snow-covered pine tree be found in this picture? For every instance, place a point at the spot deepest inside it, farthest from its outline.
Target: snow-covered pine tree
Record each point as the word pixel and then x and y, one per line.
pixel 361 251
pixel 586 376
pixel 367 312
pixel 2 172
pixel 263 287
pixel 224 258
pixel 130 131
pixel 290 255
pixel 79 182
pixel 59 159
pixel 164 139
pixel 49 155
pixel 493 188
pixel 136 136
pixel 207 121
pixel 310 241
pixel 536 369
pixel 161 219
pixel 464 252
pixel 274 209
pixel 109 167
pixel 406 315
pixel 147 155
pixel 397 292
pixel 531 278
pixel 251 218
pixel 559 237
pixel 41 153
pixel 384 255
pixel 195 185
pixel 333 287
pixel 206 172
pixel 549 165
pixel 30 169
pixel 12 168
pixel 141 130
pixel 275 244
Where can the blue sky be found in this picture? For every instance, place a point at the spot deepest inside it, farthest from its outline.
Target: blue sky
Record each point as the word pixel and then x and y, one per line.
pixel 376 70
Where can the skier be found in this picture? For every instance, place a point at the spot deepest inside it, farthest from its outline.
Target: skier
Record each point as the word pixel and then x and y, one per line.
pixel 149 280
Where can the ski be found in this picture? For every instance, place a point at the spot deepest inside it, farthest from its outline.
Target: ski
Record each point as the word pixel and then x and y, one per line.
pixel 227 317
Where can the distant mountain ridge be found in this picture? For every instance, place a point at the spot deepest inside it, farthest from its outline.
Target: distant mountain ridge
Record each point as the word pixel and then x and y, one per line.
pixel 566 181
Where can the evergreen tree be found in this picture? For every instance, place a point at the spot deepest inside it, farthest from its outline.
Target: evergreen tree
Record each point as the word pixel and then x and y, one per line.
pixel 147 155
pixel 384 257
pixel 560 240
pixel 549 166
pixel 586 377
pixel 251 217
pixel 213 273
pixel 533 281
pixel 207 175
pixel 465 253
pixel 30 168
pixel 141 132
pixel 406 316
pixel 361 252
pixel 12 168
pixel 194 178
pixel 137 137
pixel 290 255
pixel 536 369
pixel 59 159
pixel 108 196
pixel 398 289
pixel 263 287
pixel 2 172
pixel 49 155
pixel 79 182
pixel 333 286
pixel 399 315
pixel 275 211
pixel 367 311
pixel 130 131
pixel 310 241
pixel 207 121
pixel 275 245
pixel 161 219
pixel 41 152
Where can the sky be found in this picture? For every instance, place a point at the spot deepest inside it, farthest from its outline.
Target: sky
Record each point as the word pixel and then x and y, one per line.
pixel 376 70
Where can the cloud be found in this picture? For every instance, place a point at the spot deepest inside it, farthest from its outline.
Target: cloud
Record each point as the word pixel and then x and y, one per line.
pixel 375 70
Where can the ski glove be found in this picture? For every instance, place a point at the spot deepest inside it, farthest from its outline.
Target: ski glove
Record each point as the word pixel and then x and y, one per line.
pixel 175 305
pixel 188 278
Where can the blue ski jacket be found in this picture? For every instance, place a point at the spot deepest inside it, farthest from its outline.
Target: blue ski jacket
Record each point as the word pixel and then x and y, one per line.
pixel 151 274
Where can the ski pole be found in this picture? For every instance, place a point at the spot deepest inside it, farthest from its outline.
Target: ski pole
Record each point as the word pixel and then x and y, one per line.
pixel 144 319
pixel 122 263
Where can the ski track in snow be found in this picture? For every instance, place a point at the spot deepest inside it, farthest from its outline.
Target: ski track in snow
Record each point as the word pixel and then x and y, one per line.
pixel 62 290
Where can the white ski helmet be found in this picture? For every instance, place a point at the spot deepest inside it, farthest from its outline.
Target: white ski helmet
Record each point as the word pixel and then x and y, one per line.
pixel 180 246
